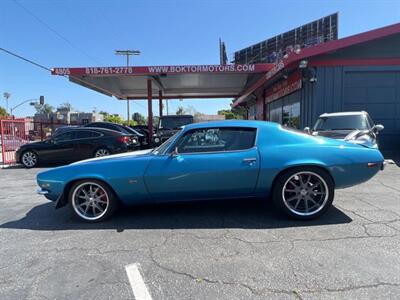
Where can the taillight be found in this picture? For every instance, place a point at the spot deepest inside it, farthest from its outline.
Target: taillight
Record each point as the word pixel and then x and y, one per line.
pixel 123 139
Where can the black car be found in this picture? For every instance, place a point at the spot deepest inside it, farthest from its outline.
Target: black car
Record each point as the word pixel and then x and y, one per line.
pixel 74 144
pixel 120 128
pixel 168 126
pixel 142 129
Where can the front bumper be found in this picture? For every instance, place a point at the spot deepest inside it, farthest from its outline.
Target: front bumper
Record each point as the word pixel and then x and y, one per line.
pixel 41 191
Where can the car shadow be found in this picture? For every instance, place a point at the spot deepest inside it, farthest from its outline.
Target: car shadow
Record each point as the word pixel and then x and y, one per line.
pixel 244 214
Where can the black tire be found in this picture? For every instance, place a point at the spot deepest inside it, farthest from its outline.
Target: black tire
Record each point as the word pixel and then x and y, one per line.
pixel 104 151
pixel 29 159
pixel 86 212
pixel 298 209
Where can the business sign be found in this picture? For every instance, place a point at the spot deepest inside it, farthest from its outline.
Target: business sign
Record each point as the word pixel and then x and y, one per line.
pixel 149 70
pixel 284 88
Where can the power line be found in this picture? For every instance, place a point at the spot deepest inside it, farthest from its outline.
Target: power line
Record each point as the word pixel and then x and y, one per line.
pixel 25 59
pixel 47 69
pixel 55 32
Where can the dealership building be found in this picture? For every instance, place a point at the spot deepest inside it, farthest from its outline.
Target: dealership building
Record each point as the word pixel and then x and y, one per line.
pixel 292 87
pixel 359 72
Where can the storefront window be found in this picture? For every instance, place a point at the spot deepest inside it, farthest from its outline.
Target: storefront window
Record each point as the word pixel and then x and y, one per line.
pixel 291 113
pixel 275 111
pixel 285 111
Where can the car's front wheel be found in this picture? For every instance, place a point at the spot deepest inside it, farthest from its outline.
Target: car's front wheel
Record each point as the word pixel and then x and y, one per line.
pixel 92 200
pixel 29 159
pixel 304 192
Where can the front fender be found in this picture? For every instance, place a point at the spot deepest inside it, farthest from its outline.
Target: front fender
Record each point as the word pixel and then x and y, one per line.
pixel 125 177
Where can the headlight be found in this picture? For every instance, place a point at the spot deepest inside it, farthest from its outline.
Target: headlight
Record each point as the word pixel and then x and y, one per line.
pixel 157 140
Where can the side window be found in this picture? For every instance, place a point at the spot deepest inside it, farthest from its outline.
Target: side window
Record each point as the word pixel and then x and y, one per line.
pixel 371 123
pixel 65 136
pixel 85 134
pixel 217 140
pixel 96 134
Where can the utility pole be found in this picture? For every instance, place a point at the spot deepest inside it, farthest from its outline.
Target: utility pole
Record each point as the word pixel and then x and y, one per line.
pixel 127 53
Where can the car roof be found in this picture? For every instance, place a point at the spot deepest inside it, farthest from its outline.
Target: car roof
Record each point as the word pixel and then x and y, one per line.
pixel 232 123
pixel 177 116
pixel 103 122
pixel 104 130
pixel 344 113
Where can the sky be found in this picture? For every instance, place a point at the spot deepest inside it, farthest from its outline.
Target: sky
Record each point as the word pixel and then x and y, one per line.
pixel 87 32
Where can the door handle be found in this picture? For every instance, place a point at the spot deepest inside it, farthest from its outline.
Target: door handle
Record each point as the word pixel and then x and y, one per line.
pixel 250 160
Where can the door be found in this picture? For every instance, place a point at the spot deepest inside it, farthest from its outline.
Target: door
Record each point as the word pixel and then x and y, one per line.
pixel 86 143
pixel 210 163
pixel 60 148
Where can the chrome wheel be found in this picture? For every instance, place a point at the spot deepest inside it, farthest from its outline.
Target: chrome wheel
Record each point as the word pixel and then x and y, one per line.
pixel 102 152
pixel 29 159
pixel 90 201
pixel 305 193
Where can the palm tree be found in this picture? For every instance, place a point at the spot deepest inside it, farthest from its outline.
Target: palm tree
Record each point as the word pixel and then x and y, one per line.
pixel 6 95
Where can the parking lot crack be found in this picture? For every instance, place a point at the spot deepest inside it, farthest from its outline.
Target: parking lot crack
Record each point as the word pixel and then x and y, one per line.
pixel 388 186
pixel 358 287
pixel 253 290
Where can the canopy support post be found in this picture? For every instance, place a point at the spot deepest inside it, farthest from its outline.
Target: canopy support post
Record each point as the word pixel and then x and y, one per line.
pixel 160 105
pixel 150 110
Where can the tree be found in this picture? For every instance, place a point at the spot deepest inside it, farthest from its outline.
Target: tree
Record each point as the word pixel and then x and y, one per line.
pixel 115 118
pixel 65 106
pixel 131 123
pixel 228 114
pixel 43 109
pixel 234 113
pixel 3 112
pixel 180 110
pixel 139 118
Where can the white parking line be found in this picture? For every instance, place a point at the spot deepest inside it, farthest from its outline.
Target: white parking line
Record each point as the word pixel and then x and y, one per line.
pixel 139 288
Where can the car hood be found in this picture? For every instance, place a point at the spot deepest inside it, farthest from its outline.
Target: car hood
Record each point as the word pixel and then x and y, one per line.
pixel 334 134
pixel 114 157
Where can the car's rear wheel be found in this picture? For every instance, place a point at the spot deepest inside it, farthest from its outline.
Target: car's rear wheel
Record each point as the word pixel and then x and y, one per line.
pixel 29 159
pixel 92 200
pixel 102 152
pixel 304 193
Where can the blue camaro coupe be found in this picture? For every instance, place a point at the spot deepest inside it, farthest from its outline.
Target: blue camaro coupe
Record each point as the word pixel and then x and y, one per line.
pixel 214 160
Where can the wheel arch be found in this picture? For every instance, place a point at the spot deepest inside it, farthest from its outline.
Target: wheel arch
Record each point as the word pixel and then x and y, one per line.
pixel 304 165
pixel 63 200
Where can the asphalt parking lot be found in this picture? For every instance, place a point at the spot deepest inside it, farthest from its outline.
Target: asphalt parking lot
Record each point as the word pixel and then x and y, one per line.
pixel 208 250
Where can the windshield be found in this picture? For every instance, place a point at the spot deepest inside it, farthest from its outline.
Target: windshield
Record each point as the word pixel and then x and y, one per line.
pixel 351 122
pixel 174 123
pixel 164 146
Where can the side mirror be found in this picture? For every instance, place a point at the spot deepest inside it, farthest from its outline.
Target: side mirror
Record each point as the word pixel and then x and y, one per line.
pixel 378 127
pixel 307 129
pixel 174 153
